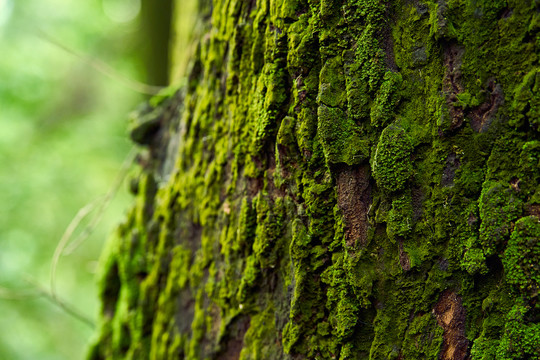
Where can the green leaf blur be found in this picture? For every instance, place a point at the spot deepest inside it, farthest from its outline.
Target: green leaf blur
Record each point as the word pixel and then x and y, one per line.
pixel 62 141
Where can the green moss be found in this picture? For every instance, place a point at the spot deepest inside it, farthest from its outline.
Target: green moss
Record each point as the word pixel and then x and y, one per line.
pixel 484 349
pixel 526 104
pixel 522 256
pixel 520 340
pixel 332 83
pixel 495 309
pixel 269 229
pixel 498 208
pixel 474 259
pixel 529 162
pixel 249 278
pixel 260 339
pixel 346 316
pixel 284 101
pixel 285 136
pixel 400 217
pixel 465 100
pixel 423 339
pixel 369 55
pixel 246 228
pixel 164 326
pixel 386 99
pixel 340 137
pixel 291 335
pixel 348 293
pixel 300 241
pixel 366 69
pixel 198 329
pixel 391 164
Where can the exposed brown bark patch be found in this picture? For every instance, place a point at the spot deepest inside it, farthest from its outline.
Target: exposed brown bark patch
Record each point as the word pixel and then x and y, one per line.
pixel 273 190
pixel 234 342
pixel 404 259
pixel 284 159
pixel 418 202
pixel 450 315
pixel 472 219
pixel 354 199
pixel 158 129
pixel 251 6
pixel 111 292
pixel 449 173
pixel 505 13
pixel 482 116
pixel 533 210
pixel 186 311
pixel 187 233
pixel 443 264
pixel 254 185
pixel 388 48
pixel 452 83
pixel 302 93
pixel 207 344
pixel 514 183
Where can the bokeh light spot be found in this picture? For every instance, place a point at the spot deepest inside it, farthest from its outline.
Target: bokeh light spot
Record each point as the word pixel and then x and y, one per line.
pixel 6 8
pixel 121 10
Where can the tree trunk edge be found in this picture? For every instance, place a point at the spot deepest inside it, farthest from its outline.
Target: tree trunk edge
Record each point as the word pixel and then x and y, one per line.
pixel 352 181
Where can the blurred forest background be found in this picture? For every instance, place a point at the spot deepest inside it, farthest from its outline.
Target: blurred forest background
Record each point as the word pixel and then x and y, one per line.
pixel 63 140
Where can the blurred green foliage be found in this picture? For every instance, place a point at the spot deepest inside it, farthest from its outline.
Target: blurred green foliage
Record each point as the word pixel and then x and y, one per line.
pixel 62 142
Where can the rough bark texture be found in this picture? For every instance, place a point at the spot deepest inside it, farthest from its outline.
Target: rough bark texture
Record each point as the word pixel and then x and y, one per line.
pixel 338 180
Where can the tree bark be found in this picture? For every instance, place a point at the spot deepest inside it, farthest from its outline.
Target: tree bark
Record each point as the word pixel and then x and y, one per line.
pixel 337 180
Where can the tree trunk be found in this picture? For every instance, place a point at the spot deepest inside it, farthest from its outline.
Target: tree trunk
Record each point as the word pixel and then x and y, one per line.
pixel 337 180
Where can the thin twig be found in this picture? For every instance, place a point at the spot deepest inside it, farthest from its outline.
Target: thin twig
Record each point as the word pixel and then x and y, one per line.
pixel 62 248
pixel 53 298
pixel 81 214
pixel 126 165
pixel 12 294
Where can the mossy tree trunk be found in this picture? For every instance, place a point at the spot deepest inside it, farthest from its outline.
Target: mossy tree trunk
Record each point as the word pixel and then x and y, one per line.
pixel 337 180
